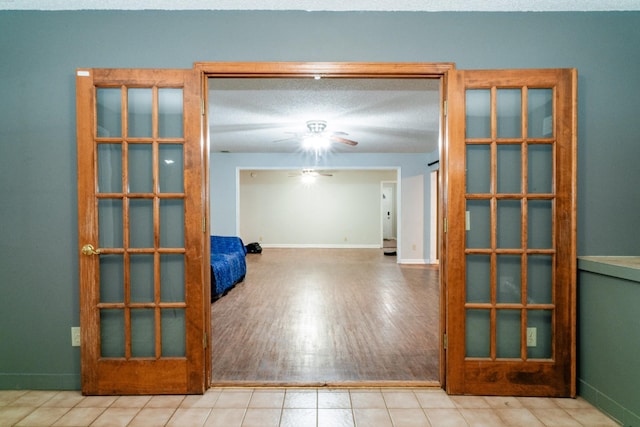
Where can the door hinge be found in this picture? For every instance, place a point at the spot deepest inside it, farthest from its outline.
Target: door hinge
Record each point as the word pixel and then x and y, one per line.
pixel 445 224
pixel 445 108
pixel 205 341
pixel 445 341
pixel 204 225
pixel 202 106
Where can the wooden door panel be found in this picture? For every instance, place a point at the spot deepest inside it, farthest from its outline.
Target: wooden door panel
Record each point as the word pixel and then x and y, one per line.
pixel 510 237
pixel 140 206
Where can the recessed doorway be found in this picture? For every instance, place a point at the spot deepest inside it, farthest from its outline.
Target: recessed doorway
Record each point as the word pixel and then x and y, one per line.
pixel 387 134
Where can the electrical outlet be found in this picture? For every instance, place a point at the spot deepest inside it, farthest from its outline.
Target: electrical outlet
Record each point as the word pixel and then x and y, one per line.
pixel 75 336
pixel 532 337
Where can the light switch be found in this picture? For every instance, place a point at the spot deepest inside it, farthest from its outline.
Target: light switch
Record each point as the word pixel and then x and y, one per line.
pixel 75 336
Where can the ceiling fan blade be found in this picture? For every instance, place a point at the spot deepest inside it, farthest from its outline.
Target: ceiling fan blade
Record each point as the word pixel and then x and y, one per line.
pixel 295 137
pixel 342 140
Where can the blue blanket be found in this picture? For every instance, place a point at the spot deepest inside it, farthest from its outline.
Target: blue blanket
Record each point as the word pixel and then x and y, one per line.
pixel 228 264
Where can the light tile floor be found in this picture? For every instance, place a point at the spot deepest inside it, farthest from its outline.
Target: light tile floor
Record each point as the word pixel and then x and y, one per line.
pixel 295 407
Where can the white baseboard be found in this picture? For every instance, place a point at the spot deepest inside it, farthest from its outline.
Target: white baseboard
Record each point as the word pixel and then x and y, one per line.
pixel 413 261
pixel 317 246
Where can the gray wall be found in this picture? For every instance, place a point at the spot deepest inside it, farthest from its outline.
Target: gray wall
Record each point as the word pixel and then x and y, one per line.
pixel 40 51
pixel 608 340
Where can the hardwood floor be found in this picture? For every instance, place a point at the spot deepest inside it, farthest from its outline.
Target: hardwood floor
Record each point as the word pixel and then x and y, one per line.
pixel 327 316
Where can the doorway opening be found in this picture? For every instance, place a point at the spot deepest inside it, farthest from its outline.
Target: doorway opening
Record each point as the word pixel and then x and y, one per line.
pixel 511 175
pixel 237 142
pixel 389 215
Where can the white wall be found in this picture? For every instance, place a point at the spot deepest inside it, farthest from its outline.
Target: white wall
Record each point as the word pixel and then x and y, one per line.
pixel 413 187
pixel 341 210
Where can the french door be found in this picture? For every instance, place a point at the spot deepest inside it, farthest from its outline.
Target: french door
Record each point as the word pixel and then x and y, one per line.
pixel 510 232
pixel 508 258
pixel 141 231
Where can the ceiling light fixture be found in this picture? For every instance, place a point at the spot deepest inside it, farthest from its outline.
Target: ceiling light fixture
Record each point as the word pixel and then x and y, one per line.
pixel 308 179
pixel 316 126
pixel 315 140
pixel 316 143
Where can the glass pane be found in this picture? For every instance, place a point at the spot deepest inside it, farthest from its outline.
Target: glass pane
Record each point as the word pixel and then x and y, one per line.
pixel 509 111
pixel 109 111
pixel 477 333
pixel 479 224
pixel 171 168
pixel 171 223
pixel 111 278
pixel 478 113
pixel 142 333
pixel 478 278
pixel 140 168
pixel 478 169
pixel 539 279
pixel 109 168
pixel 540 116
pixel 508 270
pixel 112 333
pixel 509 168
pixel 141 223
pixel 170 113
pixel 542 321
pixel 508 333
pixel 540 168
pixel 110 223
pixel 141 273
pixel 509 224
pixel 540 222
pixel 172 278
pixel 140 107
pixel 173 333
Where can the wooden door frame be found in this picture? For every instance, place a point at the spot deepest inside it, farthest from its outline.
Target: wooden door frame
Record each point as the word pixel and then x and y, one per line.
pixel 437 70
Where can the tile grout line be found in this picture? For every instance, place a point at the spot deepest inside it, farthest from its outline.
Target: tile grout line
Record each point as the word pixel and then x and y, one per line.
pixel 353 413
pixel 535 409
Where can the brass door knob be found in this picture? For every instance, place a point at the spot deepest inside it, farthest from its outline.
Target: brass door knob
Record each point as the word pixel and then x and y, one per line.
pixel 90 250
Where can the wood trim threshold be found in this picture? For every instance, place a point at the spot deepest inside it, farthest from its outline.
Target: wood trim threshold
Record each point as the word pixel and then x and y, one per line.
pixel 329 384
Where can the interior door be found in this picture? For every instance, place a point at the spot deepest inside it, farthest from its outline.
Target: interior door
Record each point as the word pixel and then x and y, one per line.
pixel 141 231
pixel 511 232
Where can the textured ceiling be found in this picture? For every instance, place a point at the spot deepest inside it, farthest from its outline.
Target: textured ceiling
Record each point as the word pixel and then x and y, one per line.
pixel 270 115
pixel 329 5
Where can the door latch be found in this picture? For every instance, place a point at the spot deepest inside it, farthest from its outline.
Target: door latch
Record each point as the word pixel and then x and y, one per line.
pixel 88 249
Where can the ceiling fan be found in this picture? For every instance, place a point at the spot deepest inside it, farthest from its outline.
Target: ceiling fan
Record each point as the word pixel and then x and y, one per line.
pixel 311 173
pixel 318 138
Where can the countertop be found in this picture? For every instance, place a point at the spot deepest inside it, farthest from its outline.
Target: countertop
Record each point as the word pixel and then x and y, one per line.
pixel 624 267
